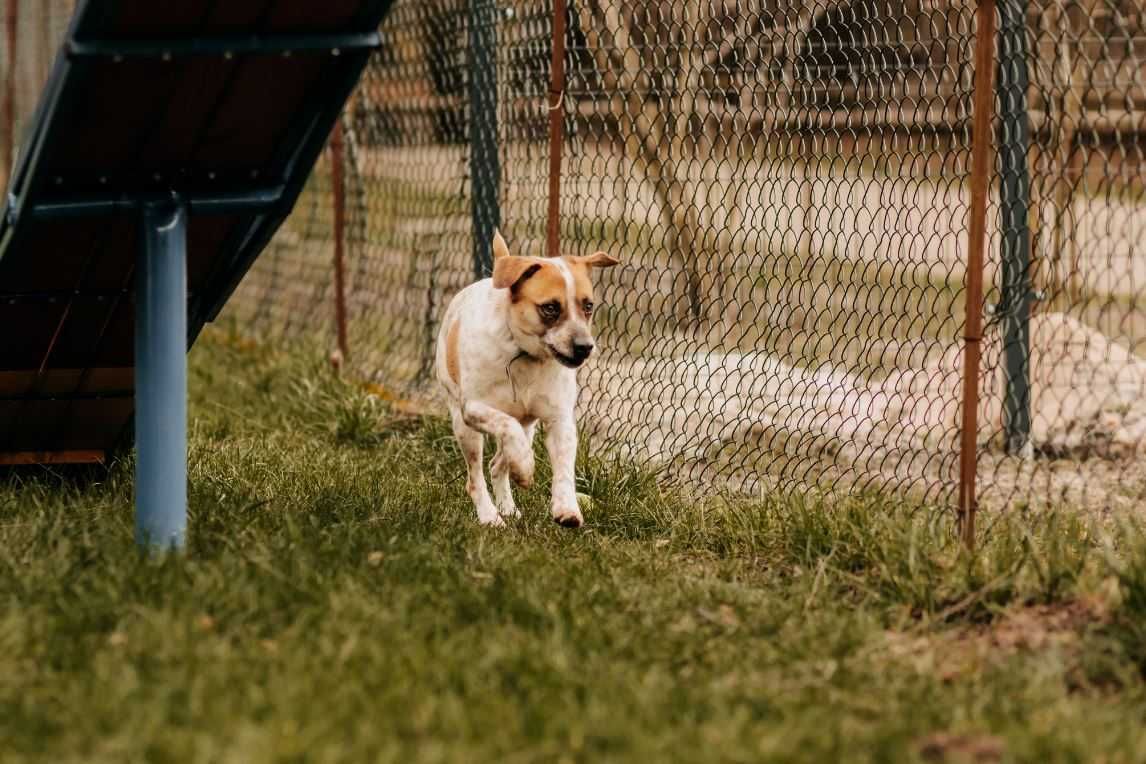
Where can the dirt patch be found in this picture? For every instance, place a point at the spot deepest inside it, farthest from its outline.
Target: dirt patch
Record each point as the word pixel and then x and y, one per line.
pixel 975 649
pixel 944 746
pixel 971 649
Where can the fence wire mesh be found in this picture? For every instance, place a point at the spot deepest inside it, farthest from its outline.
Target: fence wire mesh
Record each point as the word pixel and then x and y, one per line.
pixel 788 183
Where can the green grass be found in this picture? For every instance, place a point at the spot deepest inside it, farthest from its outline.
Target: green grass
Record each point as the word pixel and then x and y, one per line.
pixel 338 602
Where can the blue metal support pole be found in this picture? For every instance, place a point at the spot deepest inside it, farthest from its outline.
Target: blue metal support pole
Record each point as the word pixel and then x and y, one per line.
pixel 161 377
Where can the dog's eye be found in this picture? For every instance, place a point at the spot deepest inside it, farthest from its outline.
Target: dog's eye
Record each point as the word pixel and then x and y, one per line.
pixel 550 311
pixel 587 306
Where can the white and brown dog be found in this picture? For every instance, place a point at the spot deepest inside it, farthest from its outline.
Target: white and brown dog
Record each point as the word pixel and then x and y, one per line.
pixel 507 356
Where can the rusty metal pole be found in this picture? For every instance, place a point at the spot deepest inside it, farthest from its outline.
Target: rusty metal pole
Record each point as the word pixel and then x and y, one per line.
pixel 11 19
pixel 983 102
pixel 338 181
pixel 556 105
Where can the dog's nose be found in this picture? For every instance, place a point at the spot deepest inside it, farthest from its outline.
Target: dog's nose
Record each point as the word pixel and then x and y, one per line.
pixel 581 352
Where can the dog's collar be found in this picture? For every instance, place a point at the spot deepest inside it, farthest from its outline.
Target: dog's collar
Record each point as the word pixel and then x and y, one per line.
pixel 508 374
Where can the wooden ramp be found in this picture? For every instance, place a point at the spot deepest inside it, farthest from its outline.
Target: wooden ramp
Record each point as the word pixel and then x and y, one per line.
pixel 170 143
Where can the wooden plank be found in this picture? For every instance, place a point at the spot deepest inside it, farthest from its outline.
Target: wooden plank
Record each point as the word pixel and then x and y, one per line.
pixel 20 458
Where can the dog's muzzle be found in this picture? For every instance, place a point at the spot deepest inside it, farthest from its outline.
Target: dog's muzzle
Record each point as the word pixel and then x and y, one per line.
pixel 581 353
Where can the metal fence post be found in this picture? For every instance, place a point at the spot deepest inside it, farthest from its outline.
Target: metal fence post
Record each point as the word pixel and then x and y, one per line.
pixel 556 105
pixel 1015 197
pixel 976 241
pixel 161 378
pixel 338 200
pixel 485 170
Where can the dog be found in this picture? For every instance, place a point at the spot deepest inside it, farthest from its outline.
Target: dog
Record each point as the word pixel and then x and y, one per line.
pixel 507 356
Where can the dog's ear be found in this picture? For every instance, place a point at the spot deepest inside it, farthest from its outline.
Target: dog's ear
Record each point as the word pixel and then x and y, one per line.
pixel 500 249
pixel 599 260
pixel 509 272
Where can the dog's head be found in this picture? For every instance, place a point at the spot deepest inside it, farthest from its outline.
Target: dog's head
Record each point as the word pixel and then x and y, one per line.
pixel 551 301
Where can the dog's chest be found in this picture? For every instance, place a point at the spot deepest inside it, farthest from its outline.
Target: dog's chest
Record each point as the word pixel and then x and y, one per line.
pixel 524 389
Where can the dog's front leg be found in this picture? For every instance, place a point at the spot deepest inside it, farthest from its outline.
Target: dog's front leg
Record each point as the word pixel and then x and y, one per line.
pixel 515 449
pixel 499 470
pixel 471 444
pixel 561 441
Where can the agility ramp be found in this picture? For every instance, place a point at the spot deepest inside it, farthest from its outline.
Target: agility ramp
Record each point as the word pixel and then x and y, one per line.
pixel 171 141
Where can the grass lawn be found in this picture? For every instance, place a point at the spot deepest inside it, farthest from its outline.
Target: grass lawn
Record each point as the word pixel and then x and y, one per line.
pixel 338 602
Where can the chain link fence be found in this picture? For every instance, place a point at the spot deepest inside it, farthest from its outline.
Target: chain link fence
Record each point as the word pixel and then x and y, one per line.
pixel 789 185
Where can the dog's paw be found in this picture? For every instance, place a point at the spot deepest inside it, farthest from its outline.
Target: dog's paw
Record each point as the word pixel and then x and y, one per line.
pixel 521 468
pixel 569 521
pixel 509 511
pixel 522 478
pixel 568 517
pixel 492 521
pixel 518 461
pixel 488 515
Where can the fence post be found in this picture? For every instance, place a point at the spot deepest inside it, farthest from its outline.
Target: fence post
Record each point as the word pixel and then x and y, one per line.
pixel 338 181
pixel 556 105
pixel 485 170
pixel 976 241
pixel 1016 296
pixel 11 18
